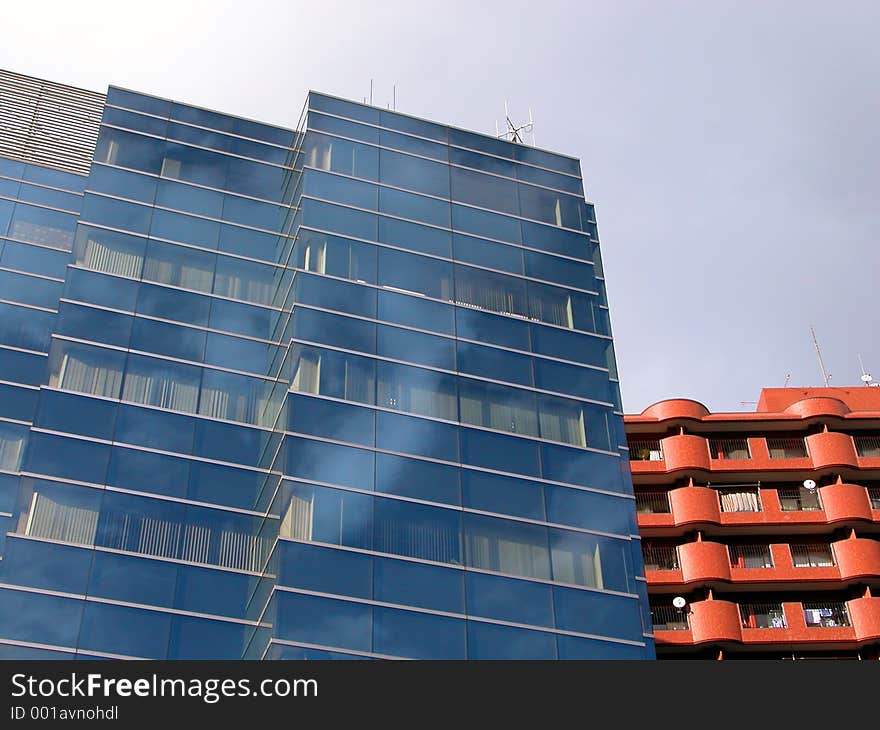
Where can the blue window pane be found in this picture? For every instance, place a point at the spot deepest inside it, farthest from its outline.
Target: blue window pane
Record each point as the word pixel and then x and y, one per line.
pixel 167 339
pixel 300 653
pixel 400 344
pixel 549 179
pixel 133 120
pixel 561 271
pixel 22 367
pixel 254 178
pixel 237 353
pixel 486 253
pixel 217 592
pixel 132 579
pixel 127 631
pixel 506 546
pixel 418 479
pixel 46 565
pixel 534 156
pixel 482 162
pixel 154 429
pixel 481 142
pixel 180 306
pixel 226 485
pixel 342 108
pixel 241 318
pixel 503 495
pixel 48 227
pixel 590 560
pixel 6 208
pixel 337 421
pixel 333 329
pixel 415 237
pixel 125 184
pixel 414 173
pixel 227 442
pixel 556 240
pixel 334 255
pixel 132 100
pixel 11 168
pixel 76 414
pixel 338 219
pixel 246 242
pixel 185 229
pixel 17 403
pixel 574 346
pixel 64 457
pixel 417 635
pixel 577 648
pixel 39 619
pixel 416 584
pixel 325 570
pixel 416 531
pixel 47 196
pixel 332 516
pixel 415 274
pixel 339 295
pixel 413 312
pixel 25 257
pixel 485 191
pixel 189 198
pixel 116 213
pixel 488 362
pixel 497 451
pixel 589 510
pixel 340 189
pixel 414 207
pixel 492 596
pixel 332 154
pixel 251 212
pixel 143 471
pixel 484 223
pixel 573 380
pixel 492 329
pixel 324 622
pixel 26 328
pixel 131 150
pixel 408 143
pixel 322 462
pixel 412 125
pixel 489 641
pixel 30 290
pixel 194 165
pixel 588 612
pixel 585 468
pixel 416 436
pixel 200 638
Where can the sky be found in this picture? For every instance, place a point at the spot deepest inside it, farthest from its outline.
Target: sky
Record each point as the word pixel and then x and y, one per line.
pixel 731 148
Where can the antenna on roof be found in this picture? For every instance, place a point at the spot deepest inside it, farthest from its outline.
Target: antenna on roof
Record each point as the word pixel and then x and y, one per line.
pixel 866 376
pixel 787 378
pixel 371 92
pixel 394 97
pixel 825 376
pixel 515 133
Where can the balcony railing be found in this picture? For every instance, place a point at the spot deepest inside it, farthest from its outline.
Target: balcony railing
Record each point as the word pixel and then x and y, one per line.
pixel 867 445
pixel 729 449
pixel 645 450
pixel 740 499
pixel 787 448
pixel 648 503
pixel 798 499
pixel 762 616
pixel 660 557
pixel 669 618
pixel 874 496
pixel 750 556
pixel 812 555
pixel 828 614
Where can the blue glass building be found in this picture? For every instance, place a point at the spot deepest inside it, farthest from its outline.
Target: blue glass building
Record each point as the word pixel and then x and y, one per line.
pixel 340 391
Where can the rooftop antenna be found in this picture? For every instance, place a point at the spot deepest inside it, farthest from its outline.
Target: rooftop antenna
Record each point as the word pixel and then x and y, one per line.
pixel 825 376
pixel 787 378
pixel 866 376
pixel 515 133
pixel 371 92
pixel 394 97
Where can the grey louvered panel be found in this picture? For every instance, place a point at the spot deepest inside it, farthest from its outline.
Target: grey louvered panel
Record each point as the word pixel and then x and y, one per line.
pixel 46 123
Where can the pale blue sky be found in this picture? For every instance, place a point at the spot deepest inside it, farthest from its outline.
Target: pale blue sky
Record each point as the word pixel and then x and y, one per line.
pixel 731 148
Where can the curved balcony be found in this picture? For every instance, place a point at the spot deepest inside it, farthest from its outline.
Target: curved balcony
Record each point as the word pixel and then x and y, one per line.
pixel 715 621
pixel 694 505
pixel 685 452
pixel 832 449
pixel 818 406
pixel 676 408
pixel 704 561
pixel 843 502
pixel 865 616
pixel 857 558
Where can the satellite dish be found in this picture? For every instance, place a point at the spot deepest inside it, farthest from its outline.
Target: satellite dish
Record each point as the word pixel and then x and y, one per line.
pixel 679 602
pixel 809 485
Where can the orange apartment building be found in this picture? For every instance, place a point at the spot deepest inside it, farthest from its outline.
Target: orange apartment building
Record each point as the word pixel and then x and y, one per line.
pixel 767 524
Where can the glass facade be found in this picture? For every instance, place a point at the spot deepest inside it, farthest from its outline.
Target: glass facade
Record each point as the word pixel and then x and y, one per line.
pixel 342 391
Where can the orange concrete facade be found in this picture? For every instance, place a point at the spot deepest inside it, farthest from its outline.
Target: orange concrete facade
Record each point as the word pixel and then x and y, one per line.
pixel 767 523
